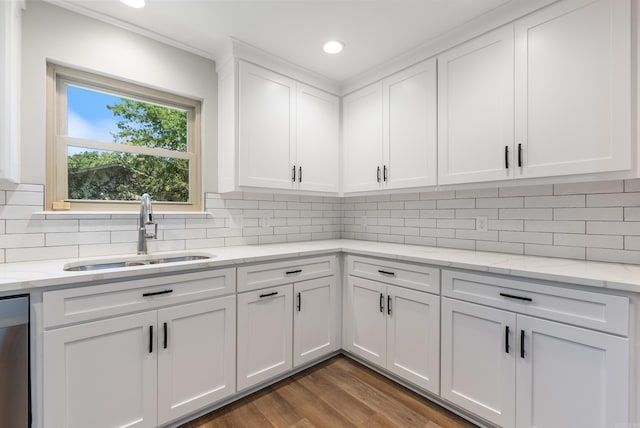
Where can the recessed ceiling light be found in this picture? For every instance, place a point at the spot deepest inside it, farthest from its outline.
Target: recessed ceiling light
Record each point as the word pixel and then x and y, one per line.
pixel 134 3
pixel 333 47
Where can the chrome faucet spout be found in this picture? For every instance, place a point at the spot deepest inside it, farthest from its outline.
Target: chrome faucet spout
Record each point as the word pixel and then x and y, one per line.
pixel 146 219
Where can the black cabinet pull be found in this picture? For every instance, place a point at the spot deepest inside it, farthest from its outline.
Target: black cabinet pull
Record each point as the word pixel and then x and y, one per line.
pixel 291 272
pixel 520 155
pixel 268 294
pixel 511 296
pixel 506 339
pixel 381 302
pixel 521 343
pixel 506 157
pixel 300 174
pixel 386 272
pixel 157 293
pixel 299 302
pixel 384 174
pixel 293 176
pixel 378 175
pixel 165 336
pixel 150 339
pixel 388 305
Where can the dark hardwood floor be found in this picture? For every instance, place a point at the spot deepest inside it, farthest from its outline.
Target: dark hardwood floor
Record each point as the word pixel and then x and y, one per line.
pixel 336 393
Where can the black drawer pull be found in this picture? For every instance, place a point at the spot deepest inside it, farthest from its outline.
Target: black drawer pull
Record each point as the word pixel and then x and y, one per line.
pixel 151 339
pixel 291 272
pixel 506 339
pixel 388 305
pixel 165 336
pixel 268 294
pixel 381 302
pixel 511 296
pixel 293 178
pixel 386 272
pixel 520 155
pixel 299 302
pixel 521 343
pixel 157 293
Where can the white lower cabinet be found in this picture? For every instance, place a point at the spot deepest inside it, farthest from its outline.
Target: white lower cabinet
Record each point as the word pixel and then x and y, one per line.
pixel 140 370
pixel 519 371
pixel 395 328
pixel 264 334
pixel 314 320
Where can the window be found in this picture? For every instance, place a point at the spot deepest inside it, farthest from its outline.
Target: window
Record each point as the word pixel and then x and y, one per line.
pixel 110 141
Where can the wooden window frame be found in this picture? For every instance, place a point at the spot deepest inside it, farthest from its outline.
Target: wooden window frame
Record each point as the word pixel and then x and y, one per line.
pixel 58 77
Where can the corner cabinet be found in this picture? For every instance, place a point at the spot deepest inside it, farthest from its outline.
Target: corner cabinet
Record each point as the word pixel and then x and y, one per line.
pixel 504 362
pixel 393 320
pixel 389 132
pixel 549 95
pixel 152 367
pixel 279 133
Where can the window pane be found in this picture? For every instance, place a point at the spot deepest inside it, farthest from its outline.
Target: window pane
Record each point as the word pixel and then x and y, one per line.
pixel 99 116
pixel 111 175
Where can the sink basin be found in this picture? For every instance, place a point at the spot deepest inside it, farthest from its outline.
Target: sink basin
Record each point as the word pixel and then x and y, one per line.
pixel 133 261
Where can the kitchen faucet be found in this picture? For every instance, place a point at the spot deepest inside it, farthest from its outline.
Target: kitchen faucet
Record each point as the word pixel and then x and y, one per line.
pixel 146 219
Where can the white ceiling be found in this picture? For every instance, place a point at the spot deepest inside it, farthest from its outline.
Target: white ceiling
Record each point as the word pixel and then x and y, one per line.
pixel 373 31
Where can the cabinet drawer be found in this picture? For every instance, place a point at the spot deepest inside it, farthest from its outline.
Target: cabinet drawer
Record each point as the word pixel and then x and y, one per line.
pixel 272 274
pixel 407 275
pixel 597 311
pixel 99 301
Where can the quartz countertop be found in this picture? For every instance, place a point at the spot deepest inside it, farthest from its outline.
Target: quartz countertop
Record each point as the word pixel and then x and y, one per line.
pixel 28 276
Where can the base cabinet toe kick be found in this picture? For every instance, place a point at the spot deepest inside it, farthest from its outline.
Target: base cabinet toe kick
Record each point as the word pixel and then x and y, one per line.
pixel 500 350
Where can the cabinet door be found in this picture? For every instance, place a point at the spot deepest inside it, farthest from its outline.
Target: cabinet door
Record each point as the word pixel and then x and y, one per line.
pixel 362 139
pixel 367 328
pixel 475 109
pixel 413 337
pixel 266 128
pixel 102 374
pixel 314 319
pixel 570 376
pixel 478 370
pixel 573 88
pixel 264 334
pixel 410 127
pixel 317 140
pixel 196 356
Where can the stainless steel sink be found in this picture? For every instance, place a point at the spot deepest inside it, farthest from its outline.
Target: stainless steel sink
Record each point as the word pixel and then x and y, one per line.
pixel 132 261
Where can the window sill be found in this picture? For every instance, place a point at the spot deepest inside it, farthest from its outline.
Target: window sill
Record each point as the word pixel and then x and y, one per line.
pixel 118 214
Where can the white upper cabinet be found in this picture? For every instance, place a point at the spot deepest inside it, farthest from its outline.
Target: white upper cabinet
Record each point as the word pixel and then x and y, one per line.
pixel 266 128
pixel 410 127
pixel 549 95
pixel 317 138
pixel 362 139
pixel 389 132
pixel 573 88
pixel 275 132
pixel 475 109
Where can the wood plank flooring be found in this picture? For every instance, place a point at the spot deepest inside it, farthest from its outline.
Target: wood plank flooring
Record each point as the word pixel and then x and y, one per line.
pixel 336 393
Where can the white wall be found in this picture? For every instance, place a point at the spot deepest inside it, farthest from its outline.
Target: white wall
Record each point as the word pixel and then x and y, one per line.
pixel 53 34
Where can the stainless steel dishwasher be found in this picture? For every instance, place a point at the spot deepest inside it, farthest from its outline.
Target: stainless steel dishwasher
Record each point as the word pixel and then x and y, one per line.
pixel 14 362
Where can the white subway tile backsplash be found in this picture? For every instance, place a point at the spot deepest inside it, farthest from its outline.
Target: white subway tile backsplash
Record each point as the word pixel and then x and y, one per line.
pixel 614 200
pixel 555 226
pixel 526 213
pixel 555 251
pixel 612 186
pixel 614 213
pixel 527 237
pixel 593 241
pixel 562 220
pixel 500 247
pixel 554 201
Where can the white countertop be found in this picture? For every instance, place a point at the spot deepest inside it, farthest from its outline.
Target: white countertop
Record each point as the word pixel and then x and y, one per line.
pixel 24 277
